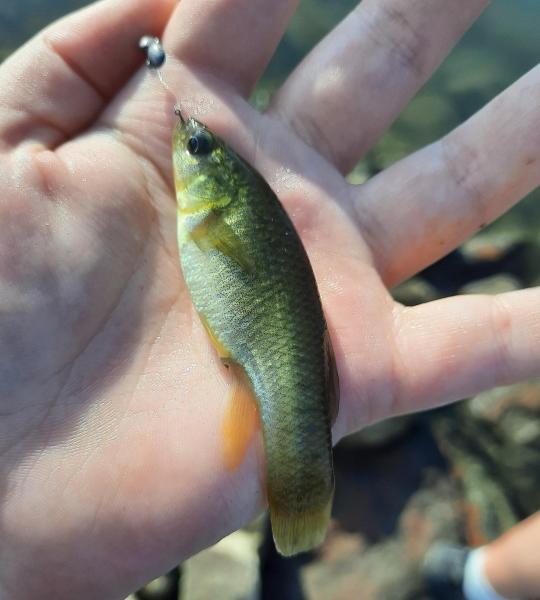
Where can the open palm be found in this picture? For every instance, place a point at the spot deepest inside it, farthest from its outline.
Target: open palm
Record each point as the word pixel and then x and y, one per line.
pixel 112 398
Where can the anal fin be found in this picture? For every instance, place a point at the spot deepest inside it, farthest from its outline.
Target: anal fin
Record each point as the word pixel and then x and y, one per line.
pixel 241 418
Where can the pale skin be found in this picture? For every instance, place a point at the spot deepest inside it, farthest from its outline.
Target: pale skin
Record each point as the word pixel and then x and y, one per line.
pixel 512 563
pixel 112 397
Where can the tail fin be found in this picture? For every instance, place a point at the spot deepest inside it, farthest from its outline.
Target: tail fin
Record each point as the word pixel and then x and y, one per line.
pixel 299 531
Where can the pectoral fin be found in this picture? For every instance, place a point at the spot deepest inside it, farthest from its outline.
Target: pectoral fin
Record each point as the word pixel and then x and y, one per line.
pixel 332 378
pixel 215 233
pixel 241 418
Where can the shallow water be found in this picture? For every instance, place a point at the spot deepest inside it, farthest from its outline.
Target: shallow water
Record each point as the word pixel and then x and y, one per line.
pixel 502 45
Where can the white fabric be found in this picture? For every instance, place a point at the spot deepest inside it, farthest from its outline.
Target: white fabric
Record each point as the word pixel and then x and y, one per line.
pixel 475 583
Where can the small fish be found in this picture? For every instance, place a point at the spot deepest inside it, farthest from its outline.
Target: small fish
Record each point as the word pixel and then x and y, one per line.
pixel 253 287
pixel 254 290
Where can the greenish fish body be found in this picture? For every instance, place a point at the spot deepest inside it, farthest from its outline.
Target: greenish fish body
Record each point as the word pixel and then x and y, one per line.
pixel 252 285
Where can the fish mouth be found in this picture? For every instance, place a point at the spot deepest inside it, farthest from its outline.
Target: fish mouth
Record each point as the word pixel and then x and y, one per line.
pixel 187 127
pixel 178 113
pixel 185 166
pixel 188 122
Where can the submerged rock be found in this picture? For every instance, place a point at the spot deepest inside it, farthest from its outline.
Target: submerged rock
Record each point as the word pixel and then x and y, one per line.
pixel 389 569
pixel 415 291
pixel 379 434
pixel 497 284
pixel 493 444
pixel 165 587
pixel 229 570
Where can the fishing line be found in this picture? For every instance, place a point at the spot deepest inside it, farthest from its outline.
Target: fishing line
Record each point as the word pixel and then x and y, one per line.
pixel 155 60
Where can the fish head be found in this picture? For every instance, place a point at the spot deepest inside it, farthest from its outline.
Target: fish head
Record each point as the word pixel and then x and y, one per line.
pixel 205 169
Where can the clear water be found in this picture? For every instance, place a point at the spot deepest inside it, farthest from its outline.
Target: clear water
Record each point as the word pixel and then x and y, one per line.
pixel 501 46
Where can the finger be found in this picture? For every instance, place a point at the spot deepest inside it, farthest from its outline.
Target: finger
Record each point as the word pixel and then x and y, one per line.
pixel 233 39
pixel 358 79
pixel 58 82
pixel 426 204
pixel 453 348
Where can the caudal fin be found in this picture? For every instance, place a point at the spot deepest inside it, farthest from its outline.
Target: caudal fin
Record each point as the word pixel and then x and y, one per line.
pixel 296 532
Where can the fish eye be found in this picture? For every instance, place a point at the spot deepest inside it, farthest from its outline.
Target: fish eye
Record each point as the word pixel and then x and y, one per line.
pixel 200 143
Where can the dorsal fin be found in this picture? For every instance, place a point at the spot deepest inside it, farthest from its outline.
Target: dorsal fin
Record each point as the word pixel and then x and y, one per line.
pixel 332 378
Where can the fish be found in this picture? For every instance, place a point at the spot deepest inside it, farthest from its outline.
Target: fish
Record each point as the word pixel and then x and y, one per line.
pixel 254 289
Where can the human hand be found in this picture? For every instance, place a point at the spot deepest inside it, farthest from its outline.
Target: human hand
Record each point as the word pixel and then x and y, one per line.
pixel 112 397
